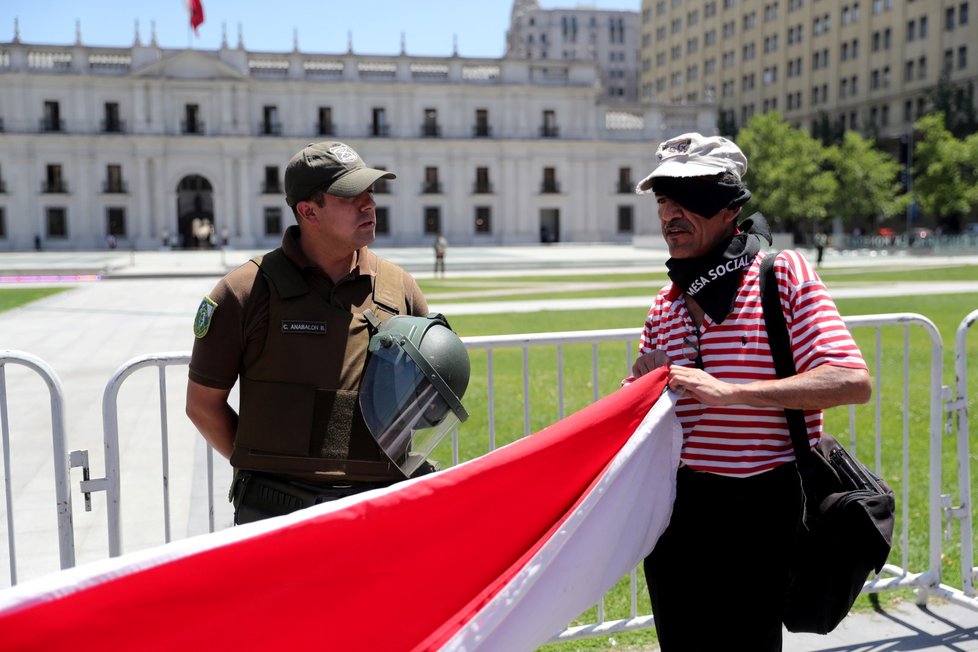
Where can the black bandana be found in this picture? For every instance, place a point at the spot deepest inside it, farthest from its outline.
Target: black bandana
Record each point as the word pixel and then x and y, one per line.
pixel 713 279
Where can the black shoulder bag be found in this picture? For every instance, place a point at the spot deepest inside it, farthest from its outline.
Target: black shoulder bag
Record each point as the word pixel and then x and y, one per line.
pixel 847 527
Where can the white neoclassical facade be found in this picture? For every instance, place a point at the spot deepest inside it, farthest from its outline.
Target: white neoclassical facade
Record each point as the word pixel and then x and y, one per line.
pixel 140 145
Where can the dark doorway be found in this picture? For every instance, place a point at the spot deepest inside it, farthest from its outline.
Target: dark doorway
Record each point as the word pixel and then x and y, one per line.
pixel 549 225
pixel 195 213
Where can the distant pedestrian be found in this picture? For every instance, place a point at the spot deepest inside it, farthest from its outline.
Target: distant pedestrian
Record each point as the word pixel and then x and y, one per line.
pixel 441 246
pixel 110 241
pixel 821 241
pixel 37 242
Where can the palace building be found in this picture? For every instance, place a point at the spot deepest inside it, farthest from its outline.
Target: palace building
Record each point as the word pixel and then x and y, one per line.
pixel 146 146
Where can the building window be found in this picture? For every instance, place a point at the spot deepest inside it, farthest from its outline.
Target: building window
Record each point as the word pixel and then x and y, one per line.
pixel 111 124
pixel 550 184
pixel 432 220
pixel 379 126
pixel 911 30
pixel 270 126
pixel 481 128
pixel 3 224
pixel 113 179
pixel 381 186
pixel 483 219
pixel 53 179
pixel 923 27
pixel 948 61
pixel 626 219
pixel 273 221
pixel 430 128
pixel 962 57
pixel 52 117
pixel 115 222
pixel 324 122
pixel 922 68
pixel 56 222
pixel 271 185
pixel 949 19
pixel 431 185
pixel 549 128
pixel 482 184
pixel 625 185
pixel 382 220
pixel 192 123
pixel 963 13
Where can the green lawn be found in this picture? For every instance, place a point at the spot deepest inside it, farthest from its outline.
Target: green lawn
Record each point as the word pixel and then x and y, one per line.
pixel 13 297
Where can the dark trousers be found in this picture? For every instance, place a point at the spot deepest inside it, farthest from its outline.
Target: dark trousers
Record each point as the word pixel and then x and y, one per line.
pixel 718 574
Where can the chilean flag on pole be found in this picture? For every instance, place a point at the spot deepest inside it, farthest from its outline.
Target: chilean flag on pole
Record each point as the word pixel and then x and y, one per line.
pixel 196 9
pixel 498 553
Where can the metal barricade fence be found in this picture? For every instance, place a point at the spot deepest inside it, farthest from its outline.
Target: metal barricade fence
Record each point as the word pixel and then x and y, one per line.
pixel 958 406
pixel 66 541
pixel 534 384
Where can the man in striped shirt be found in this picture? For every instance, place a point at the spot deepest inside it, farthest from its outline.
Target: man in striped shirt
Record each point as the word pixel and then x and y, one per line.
pixel 717 576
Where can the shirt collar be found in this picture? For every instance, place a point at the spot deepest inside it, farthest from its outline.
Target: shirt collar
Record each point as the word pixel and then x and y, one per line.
pixel 366 260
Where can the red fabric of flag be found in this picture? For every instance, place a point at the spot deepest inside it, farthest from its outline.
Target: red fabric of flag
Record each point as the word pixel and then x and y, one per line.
pixel 403 569
pixel 196 9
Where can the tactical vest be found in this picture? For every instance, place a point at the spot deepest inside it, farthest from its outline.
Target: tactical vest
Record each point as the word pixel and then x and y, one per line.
pixel 299 402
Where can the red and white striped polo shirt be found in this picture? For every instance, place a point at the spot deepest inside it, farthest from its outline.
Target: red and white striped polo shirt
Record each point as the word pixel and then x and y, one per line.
pixel 740 440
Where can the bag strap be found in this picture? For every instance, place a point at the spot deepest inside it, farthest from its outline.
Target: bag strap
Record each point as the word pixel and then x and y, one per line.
pixel 780 342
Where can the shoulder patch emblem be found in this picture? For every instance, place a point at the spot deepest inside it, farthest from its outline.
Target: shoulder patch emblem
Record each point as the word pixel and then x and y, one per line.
pixel 202 321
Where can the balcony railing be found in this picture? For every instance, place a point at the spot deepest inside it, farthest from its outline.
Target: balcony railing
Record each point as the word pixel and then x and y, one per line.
pixel 550 187
pixel 192 127
pixel 431 188
pixel 52 125
pixel 482 188
pixel 270 188
pixel 115 187
pixel 266 128
pixel 325 129
pixel 625 187
pixel 113 126
pixel 380 130
pixel 482 131
pixel 430 130
pixel 60 187
pixel 549 131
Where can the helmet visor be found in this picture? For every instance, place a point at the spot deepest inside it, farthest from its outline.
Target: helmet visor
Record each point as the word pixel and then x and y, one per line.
pixel 406 415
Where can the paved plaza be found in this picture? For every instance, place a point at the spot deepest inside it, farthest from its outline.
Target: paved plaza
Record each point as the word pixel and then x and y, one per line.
pixel 145 302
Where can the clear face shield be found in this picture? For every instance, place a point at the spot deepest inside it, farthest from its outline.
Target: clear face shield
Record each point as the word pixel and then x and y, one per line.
pixel 406 403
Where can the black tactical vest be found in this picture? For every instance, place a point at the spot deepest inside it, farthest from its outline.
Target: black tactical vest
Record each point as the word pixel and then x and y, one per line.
pixel 299 403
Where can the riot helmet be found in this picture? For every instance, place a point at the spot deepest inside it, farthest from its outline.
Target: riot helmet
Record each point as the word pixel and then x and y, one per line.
pixel 411 391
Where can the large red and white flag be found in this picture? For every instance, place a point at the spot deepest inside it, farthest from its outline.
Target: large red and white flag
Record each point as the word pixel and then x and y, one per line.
pixel 196 10
pixel 498 553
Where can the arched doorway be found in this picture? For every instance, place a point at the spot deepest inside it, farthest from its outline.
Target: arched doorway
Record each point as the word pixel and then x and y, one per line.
pixel 195 213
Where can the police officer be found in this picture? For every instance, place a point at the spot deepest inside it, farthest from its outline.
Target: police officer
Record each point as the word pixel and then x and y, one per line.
pixel 291 325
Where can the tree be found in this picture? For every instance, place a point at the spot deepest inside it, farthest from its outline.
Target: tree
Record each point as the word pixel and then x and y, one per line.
pixel 726 123
pixel 868 181
pixel 957 104
pixel 826 130
pixel 787 173
pixel 944 171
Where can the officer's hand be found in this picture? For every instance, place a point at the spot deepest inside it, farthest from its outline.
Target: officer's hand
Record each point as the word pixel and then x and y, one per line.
pixel 649 361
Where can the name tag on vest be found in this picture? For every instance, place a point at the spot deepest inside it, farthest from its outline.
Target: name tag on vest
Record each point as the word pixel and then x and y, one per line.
pixel 313 327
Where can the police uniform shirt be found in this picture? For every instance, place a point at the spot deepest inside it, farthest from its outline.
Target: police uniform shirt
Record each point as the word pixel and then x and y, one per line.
pixel 238 323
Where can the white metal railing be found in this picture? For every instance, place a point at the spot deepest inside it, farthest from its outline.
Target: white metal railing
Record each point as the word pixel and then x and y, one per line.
pixel 959 407
pixel 66 540
pixel 897 574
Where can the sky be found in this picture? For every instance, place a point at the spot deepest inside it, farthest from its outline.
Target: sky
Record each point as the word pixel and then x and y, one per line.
pixel 430 27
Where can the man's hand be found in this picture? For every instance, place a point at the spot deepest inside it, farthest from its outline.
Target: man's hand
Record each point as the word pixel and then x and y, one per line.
pixel 649 361
pixel 700 385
